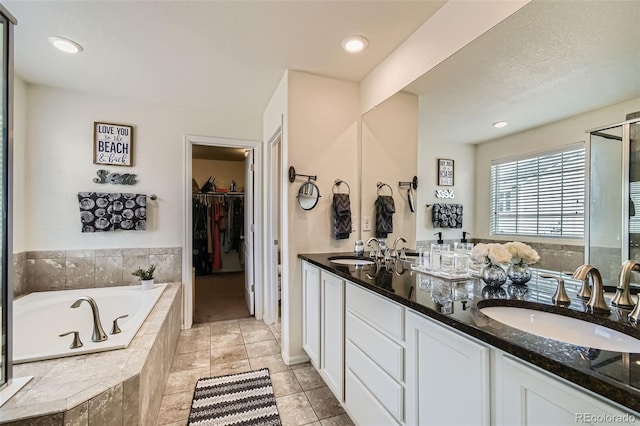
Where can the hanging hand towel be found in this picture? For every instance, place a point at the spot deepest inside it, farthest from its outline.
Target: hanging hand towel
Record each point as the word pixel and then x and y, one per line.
pixel 341 216
pixel 385 208
pixel 101 212
pixel 446 215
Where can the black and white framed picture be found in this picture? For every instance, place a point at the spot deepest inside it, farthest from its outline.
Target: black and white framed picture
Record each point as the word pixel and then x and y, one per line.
pixel 445 172
pixel 112 144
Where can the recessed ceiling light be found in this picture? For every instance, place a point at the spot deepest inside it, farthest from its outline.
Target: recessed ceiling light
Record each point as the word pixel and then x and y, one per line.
pixel 65 45
pixel 354 44
pixel 500 124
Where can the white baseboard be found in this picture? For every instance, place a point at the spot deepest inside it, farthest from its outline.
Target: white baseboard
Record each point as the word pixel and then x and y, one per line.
pixel 296 359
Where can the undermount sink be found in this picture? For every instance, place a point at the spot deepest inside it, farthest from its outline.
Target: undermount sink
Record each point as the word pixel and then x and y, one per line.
pixel 351 261
pixel 564 329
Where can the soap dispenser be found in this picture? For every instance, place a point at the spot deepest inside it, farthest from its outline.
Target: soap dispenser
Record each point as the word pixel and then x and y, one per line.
pixel 440 240
pixel 464 237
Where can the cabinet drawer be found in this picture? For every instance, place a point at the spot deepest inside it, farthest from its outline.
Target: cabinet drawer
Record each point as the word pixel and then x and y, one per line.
pixel 383 314
pixel 385 352
pixel 363 407
pixel 386 391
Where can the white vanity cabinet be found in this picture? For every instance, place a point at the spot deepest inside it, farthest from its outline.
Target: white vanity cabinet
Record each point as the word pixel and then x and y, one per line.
pixel 323 324
pixel 374 358
pixel 311 312
pixel 524 395
pixel 448 380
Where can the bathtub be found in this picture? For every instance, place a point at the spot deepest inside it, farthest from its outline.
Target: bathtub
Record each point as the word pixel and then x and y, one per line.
pixel 40 317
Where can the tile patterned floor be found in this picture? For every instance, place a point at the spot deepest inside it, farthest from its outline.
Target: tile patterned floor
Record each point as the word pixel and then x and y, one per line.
pixel 235 346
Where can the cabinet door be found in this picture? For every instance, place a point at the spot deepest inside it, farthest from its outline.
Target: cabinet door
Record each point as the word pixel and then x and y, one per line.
pixel 447 376
pixel 332 340
pixel 311 312
pixel 526 396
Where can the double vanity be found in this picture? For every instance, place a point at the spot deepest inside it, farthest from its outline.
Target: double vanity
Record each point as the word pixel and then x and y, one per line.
pixel 402 347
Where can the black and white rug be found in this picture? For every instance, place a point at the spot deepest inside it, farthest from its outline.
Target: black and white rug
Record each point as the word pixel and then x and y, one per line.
pixel 236 399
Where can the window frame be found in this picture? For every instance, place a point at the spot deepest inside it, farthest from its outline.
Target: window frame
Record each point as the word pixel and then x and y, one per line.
pixel 495 203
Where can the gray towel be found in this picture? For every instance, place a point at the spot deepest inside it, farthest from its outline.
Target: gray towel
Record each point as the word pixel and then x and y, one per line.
pixel 385 208
pixel 341 216
pixel 101 211
pixel 446 215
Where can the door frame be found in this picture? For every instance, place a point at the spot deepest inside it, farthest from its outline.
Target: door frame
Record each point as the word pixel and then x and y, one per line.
pixel 272 208
pixel 187 258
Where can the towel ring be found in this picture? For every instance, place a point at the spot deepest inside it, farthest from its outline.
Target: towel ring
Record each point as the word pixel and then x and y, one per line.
pixel 337 184
pixel 381 185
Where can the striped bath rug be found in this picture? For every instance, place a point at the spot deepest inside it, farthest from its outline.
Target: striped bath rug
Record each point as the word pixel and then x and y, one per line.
pixel 236 399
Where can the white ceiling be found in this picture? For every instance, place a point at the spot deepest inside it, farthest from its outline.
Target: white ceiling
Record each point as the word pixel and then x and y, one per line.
pixel 548 61
pixel 221 55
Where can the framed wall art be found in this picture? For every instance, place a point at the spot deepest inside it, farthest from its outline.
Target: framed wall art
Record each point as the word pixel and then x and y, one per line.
pixel 112 144
pixel 445 172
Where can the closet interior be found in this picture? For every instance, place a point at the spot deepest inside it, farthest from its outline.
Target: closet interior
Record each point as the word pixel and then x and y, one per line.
pixel 218 212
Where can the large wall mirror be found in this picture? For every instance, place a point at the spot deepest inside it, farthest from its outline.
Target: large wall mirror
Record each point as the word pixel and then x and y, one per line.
pixel 549 61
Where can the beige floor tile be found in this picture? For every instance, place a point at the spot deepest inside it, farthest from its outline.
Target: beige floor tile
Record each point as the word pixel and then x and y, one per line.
pixel 226 340
pixel 228 354
pixel 230 368
pixel 258 349
pixel 341 420
pixel 197 330
pixel 250 324
pixel 301 365
pixel 260 335
pixel 181 423
pixel 223 327
pixel 324 403
pixel 274 363
pixel 174 408
pixel 309 378
pixel 190 361
pixel 192 343
pixel 284 383
pixel 185 381
pixel 295 410
pixel 276 328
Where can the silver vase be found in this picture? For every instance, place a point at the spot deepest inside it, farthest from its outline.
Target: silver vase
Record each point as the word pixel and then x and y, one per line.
pixel 493 275
pixel 519 273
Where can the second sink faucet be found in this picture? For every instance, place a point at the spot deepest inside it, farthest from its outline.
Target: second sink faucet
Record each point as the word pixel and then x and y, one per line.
pixel 622 299
pixel 596 302
pixel 394 250
pixel 98 332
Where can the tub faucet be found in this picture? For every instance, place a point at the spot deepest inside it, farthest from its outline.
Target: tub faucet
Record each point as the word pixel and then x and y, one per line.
pixel 622 299
pixel 596 302
pixel 98 333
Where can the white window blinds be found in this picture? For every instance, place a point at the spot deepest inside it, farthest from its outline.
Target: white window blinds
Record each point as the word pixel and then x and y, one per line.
pixel 541 195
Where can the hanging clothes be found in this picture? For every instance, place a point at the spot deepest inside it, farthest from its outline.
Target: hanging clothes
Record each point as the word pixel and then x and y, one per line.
pixel 200 237
pixel 237 228
pixel 217 253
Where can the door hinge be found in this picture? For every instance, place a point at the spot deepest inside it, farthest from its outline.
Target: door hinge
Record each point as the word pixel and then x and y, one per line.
pixel 275 242
pixel 252 228
pixel 253 287
pixel 251 167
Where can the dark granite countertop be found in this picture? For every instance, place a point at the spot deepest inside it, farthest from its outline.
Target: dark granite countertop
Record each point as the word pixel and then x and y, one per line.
pixel 613 375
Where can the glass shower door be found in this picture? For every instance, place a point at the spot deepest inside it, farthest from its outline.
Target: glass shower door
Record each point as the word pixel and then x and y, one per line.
pixel 634 197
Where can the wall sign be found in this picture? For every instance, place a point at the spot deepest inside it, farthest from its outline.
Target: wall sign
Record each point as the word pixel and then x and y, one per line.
pixel 445 172
pixel 112 144
pixel 444 193
pixel 115 178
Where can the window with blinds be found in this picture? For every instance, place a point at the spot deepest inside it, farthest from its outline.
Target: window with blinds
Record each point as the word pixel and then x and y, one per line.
pixel 541 195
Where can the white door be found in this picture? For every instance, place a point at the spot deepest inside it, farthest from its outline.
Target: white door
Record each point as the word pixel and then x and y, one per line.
pixel 249 273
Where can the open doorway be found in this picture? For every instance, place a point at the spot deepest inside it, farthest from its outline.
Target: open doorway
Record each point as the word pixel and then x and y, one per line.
pixel 222 185
pixel 208 257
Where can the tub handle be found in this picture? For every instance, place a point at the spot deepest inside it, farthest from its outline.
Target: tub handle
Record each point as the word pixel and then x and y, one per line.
pixel 77 343
pixel 115 329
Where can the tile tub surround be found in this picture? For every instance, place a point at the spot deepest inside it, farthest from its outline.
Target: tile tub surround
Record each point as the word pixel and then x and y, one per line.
pixel 121 387
pixel 604 373
pixel 69 269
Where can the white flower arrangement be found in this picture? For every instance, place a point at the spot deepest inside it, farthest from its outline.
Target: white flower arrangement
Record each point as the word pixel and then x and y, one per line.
pixel 490 253
pixel 522 253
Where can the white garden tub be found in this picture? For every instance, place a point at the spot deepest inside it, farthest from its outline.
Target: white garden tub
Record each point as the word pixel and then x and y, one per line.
pixel 39 318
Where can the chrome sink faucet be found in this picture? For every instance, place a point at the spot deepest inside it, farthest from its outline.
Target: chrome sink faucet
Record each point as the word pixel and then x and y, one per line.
pixel 373 254
pixel 98 332
pixel 596 302
pixel 394 250
pixel 622 299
